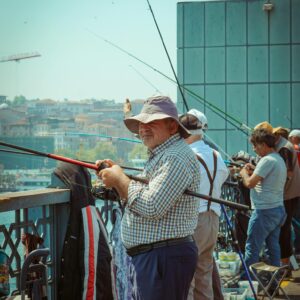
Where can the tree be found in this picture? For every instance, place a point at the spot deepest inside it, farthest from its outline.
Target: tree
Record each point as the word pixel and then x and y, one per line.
pixel 138 151
pixel 82 153
pixel 103 150
pixel 19 100
pixel 65 152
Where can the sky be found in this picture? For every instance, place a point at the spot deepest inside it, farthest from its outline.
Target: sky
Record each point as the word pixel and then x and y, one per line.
pixel 75 62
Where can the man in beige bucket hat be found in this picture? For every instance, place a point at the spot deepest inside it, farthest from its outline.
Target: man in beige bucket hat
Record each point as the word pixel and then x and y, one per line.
pixel 156 108
pixel 159 219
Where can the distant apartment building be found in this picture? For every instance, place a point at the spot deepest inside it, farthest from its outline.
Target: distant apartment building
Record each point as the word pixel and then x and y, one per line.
pixel 115 113
pixel 43 107
pixel 137 106
pixel 2 99
pixel 41 129
pixel 10 117
pixel 69 124
pixel 20 128
pixel 13 161
pixel 74 107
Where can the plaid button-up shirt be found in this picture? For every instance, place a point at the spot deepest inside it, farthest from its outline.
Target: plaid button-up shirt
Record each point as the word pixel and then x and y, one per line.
pixel 160 210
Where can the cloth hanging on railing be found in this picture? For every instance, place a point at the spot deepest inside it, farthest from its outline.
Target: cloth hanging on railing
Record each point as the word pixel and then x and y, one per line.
pixel 86 258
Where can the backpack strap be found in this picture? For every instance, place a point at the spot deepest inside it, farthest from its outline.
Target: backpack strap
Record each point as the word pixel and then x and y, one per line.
pixel 210 178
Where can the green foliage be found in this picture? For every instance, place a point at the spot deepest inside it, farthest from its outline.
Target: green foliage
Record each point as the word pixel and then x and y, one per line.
pixel 19 100
pixel 81 154
pixel 65 153
pixel 103 150
pixel 138 151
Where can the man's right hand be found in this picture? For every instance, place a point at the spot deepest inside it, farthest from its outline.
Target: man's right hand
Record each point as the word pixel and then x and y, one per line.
pixel 114 177
pixel 249 168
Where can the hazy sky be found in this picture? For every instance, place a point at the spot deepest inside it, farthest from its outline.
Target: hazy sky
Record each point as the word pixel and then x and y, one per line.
pixel 75 64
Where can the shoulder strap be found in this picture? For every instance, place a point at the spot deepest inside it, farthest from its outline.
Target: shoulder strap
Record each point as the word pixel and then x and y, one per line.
pixel 210 178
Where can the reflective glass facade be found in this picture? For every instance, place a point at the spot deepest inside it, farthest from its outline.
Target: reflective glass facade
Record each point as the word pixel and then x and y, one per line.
pixel 242 59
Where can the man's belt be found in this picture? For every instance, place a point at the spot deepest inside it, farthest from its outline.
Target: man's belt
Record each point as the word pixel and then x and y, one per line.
pixel 148 247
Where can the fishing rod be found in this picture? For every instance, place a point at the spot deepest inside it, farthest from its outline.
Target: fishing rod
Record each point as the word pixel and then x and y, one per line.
pixel 239 251
pixel 136 178
pixel 227 162
pixel 178 85
pixel 104 136
pixel 167 53
pixel 123 167
pixel 219 148
pixel 135 141
pixel 232 163
pixel 84 161
pixel 206 197
pixel 230 119
pixel 52 156
pixel 16 152
pixel 141 75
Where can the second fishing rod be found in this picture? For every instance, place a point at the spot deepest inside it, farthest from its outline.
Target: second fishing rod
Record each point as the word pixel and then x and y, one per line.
pixel 95 167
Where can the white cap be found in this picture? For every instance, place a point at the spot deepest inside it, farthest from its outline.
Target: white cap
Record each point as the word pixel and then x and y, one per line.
pixel 200 116
pixel 295 132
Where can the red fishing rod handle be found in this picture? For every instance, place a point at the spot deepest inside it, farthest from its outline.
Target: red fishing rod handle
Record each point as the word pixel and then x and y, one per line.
pixel 74 161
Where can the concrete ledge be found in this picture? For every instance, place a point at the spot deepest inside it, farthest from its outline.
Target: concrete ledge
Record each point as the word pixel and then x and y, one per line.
pixel 27 199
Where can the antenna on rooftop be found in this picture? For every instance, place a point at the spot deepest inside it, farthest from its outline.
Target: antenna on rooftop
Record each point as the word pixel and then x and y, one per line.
pixel 18 57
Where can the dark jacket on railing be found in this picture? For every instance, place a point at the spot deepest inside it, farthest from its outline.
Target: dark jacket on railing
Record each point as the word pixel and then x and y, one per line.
pixel 86 258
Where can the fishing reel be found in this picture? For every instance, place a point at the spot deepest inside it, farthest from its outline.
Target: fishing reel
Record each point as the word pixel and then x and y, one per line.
pixel 243 157
pixel 102 192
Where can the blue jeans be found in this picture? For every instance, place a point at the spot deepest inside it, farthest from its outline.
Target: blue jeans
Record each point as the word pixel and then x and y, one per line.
pixel 296 227
pixel 264 226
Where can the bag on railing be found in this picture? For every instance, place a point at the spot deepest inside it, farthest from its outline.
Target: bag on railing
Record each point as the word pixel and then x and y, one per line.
pixel 4 274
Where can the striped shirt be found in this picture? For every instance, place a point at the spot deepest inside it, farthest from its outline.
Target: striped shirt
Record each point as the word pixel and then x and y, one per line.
pixel 160 210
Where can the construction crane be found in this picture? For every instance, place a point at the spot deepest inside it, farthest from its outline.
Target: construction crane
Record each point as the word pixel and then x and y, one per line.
pixel 19 57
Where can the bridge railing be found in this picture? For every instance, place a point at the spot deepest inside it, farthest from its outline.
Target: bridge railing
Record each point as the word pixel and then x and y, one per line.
pixel 45 213
pixel 40 212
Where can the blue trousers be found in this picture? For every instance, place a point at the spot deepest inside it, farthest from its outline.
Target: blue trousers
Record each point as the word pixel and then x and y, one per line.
pixel 264 226
pixel 296 227
pixel 164 273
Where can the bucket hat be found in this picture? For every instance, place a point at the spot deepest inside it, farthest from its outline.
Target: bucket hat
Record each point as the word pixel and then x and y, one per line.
pixel 156 108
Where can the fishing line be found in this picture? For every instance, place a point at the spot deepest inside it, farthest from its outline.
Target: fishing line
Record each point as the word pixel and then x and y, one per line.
pixel 104 136
pixel 220 149
pixel 136 178
pixel 18 152
pixel 126 167
pixel 167 53
pixel 84 161
pixel 241 126
pixel 141 75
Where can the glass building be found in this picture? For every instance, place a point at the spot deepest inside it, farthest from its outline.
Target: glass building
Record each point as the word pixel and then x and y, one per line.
pixel 244 58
